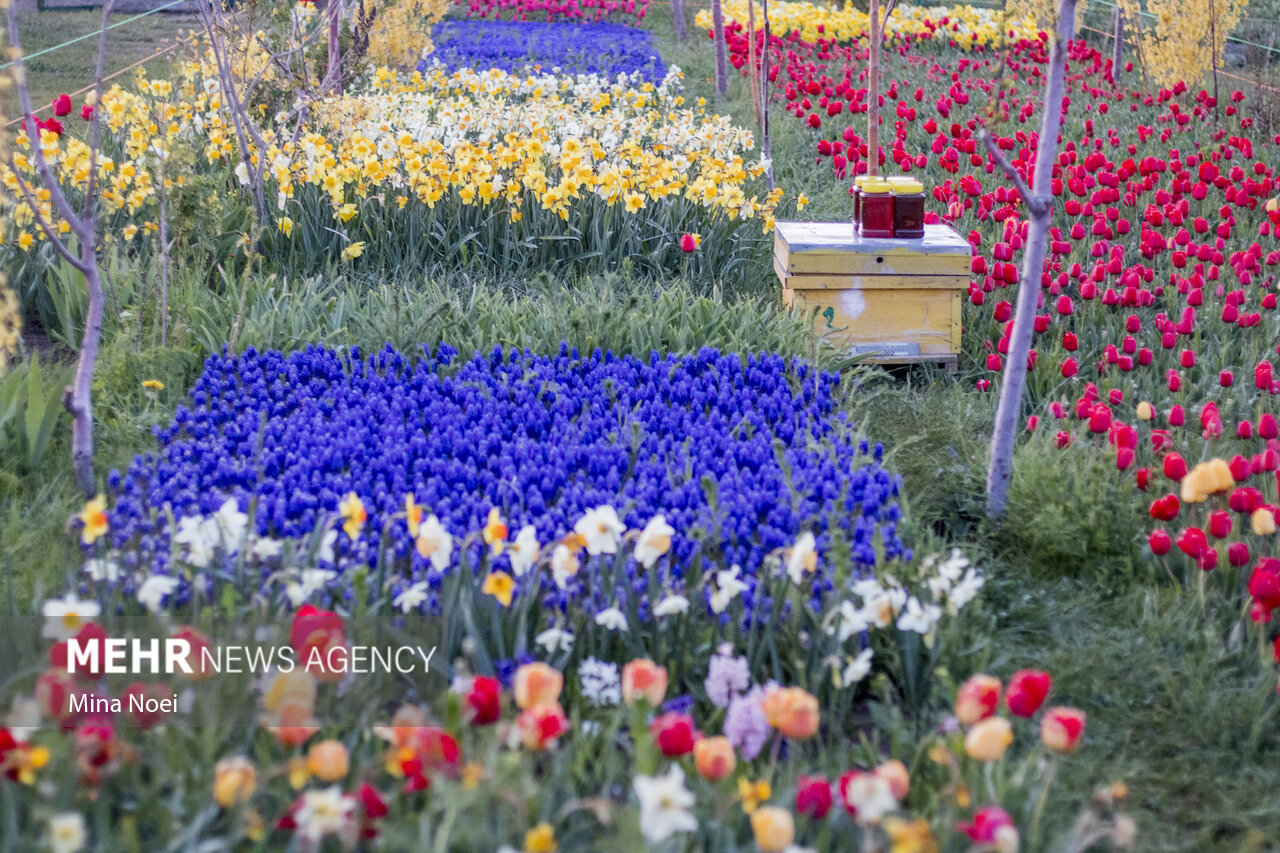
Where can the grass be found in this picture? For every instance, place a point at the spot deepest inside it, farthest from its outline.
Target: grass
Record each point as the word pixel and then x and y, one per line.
pixel 1178 710
pixel 70 69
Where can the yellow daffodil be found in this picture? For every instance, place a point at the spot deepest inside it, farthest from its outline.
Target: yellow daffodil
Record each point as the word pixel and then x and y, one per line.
pixel 353 251
pixel 412 515
pixel 753 793
pixel 94 519
pixel 353 514
pixel 501 586
pixel 541 839
pixel 285 224
pixel 495 531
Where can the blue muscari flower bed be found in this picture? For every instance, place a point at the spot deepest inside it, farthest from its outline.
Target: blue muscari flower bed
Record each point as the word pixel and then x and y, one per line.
pixel 599 48
pixel 740 453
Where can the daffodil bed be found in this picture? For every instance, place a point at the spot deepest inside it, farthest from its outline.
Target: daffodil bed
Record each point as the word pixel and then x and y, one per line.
pixel 604 49
pixel 511 172
pixel 751 450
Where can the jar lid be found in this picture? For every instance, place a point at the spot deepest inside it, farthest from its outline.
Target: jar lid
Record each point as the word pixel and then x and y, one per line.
pixel 861 180
pixel 908 187
pixel 876 187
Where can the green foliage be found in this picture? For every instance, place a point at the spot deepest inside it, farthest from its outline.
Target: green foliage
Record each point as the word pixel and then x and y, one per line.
pixel 30 404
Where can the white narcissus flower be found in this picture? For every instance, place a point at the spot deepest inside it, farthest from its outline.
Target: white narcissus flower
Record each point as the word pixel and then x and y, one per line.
pixel 523 551
pixel 671 605
pixel 242 173
pixel 728 587
pixel 857 669
pixel 434 543
pixel 64 617
pixel 153 590
pixel 267 548
pixel 601 529
pixel 612 619
pixel 802 559
pixel 325 811
pixel 654 541
pixel 232 524
pixel 555 638
pixel 852 621
pixel 411 597
pixel 918 617
pixel 665 805
pixel 67 833
pixel 310 581
pixel 99 569
pixel 564 565
pixel 325 552
pixel 200 537
pixel 964 591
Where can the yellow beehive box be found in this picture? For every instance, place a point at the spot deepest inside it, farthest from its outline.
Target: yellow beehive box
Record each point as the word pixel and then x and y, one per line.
pixel 895 301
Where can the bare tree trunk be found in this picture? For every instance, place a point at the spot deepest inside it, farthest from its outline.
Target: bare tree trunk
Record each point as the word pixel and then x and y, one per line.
pixel 1039 203
pixel 335 51
pixel 677 18
pixel 722 60
pixel 164 257
pixel 873 92
pixel 77 398
pixel 1117 48
pixel 1213 53
pixel 753 71
pixel 766 147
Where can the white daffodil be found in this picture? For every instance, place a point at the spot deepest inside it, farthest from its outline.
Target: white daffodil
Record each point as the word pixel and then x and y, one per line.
pixel 654 541
pixel 665 805
pixel 564 565
pixel 242 173
pixel 952 567
pixel 266 548
pixel 64 617
pixel 324 811
pixel 325 552
pixel 601 529
pixel 671 605
pixel 67 833
pixel 611 619
pixel 858 668
pixel 309 582
pixel 728 587
pixel 200 538
pixel 919 617
pixel 153 590
pixel 434 543
pixel 852 621
pixel 555 639
pixel 102 569
pixel 411 597
pixel 232 524
pixel 802 559
pixel 964 591
pixel 523 551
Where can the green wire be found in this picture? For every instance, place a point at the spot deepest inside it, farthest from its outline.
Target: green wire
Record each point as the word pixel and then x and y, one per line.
pixel 95 32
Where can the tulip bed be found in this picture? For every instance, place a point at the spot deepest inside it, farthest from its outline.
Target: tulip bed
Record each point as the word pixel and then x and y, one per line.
pixel 1156 341
pixel 605 49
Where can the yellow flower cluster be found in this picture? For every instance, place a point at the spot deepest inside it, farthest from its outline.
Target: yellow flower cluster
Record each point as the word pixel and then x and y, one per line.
pixel 1180 44
pixel 401 33
pixel 515 144
pixel 10 323
pixel 495 138
pixel 974 25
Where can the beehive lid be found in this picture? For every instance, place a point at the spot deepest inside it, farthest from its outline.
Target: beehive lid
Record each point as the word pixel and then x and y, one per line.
pixel 802 248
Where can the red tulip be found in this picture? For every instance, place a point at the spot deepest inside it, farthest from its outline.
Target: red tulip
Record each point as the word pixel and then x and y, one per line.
pixel 688 243
pixel 674 734
pixel 1027 691
pixel 1193 542
pixel 1160 542
pixel 1062 729
pixel 1219 524
pixel 61 105
pixel 813 797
